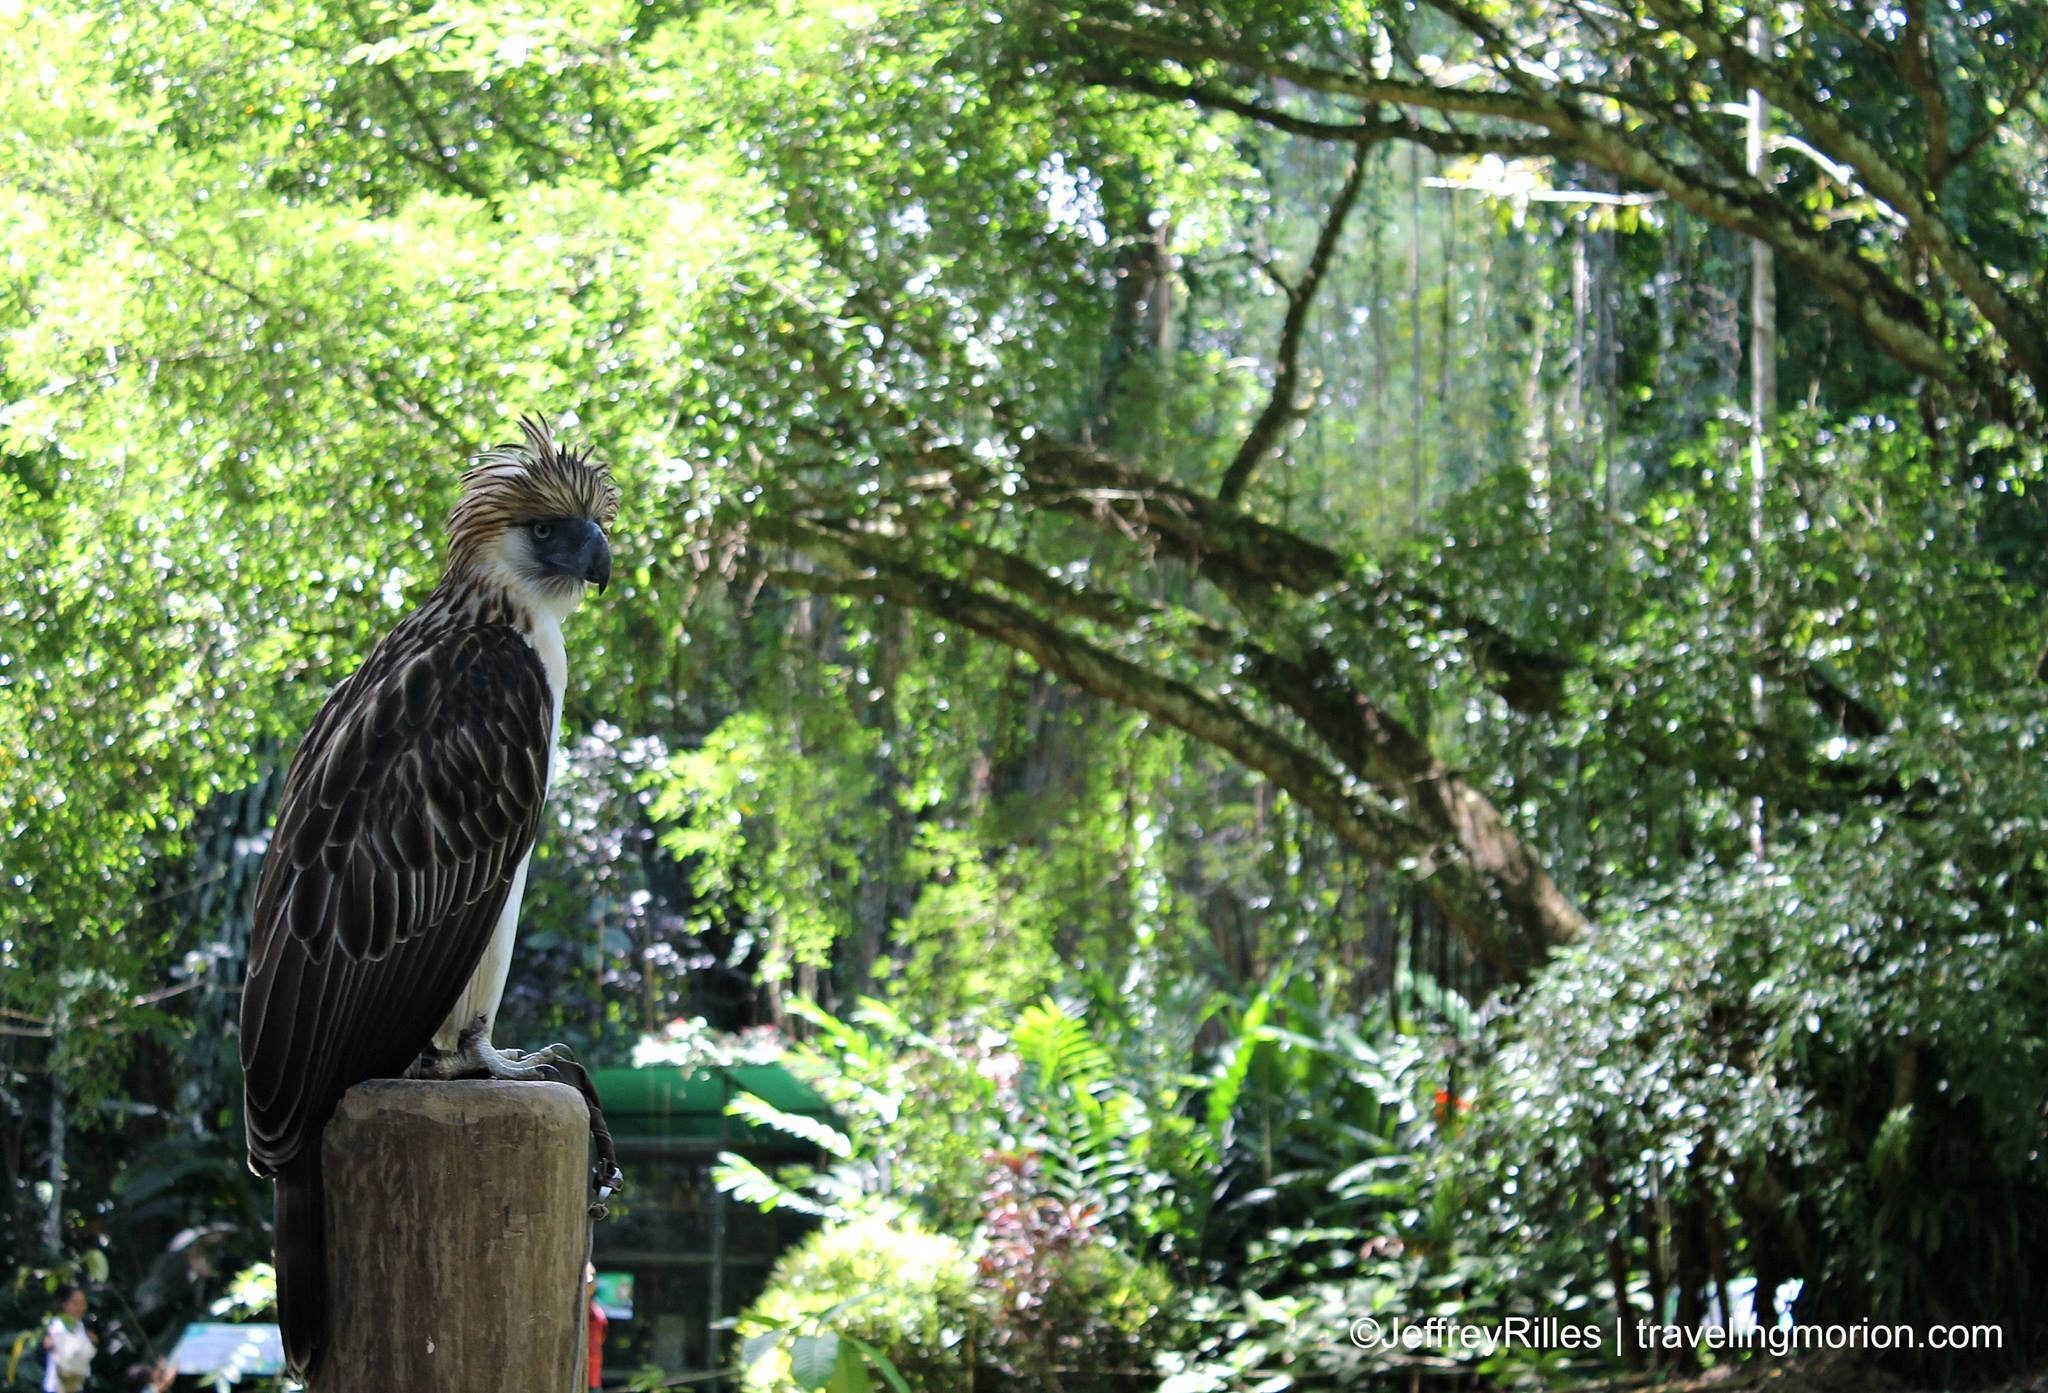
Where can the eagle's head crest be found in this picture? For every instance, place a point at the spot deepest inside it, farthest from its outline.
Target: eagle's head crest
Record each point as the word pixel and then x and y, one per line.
pixel 515 499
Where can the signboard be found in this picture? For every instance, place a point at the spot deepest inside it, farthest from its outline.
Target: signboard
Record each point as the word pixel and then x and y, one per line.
pixel 615 1294
pixel 208 1348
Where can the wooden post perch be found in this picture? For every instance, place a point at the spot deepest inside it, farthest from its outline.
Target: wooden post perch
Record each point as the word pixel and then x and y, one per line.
pixel 457 1230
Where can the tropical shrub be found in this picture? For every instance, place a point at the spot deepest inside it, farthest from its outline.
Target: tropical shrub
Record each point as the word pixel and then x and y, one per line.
pixel 1065 1306
pixel 916 1116
pixel 892 1285
pixel 1048 1303
pixel 1280 1179
pixel 1759 1076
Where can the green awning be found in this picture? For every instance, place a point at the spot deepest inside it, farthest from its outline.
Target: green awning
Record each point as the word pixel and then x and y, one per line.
pixel 667 1102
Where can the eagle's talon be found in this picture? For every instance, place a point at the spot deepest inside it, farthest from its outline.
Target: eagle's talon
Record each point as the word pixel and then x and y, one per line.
pixel 475 1057
pixel 609 1181
pixel 506 1064
pixel 546 1054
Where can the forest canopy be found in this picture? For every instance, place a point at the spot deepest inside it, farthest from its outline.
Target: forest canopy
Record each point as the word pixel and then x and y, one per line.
pixel 1484 559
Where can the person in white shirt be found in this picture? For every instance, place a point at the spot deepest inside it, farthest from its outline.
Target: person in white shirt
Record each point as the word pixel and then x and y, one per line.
pixel 68 1347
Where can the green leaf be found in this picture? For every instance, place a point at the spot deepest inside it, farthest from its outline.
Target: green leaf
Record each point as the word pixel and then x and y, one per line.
pixel 800 1125
pixel 813 1359
pixel 1223 1094
pixel 880 1363
pixel 755 1348
pixel 849 1373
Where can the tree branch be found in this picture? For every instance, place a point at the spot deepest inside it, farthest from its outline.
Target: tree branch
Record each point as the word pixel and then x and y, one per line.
pixel 1918 65
pixel 1361 133
pixel 1911 199
pixel 1969 148
pixel 1465 858
pixel 1891 314
pixel 1379 748
pixel 442 163
pixel 1241 555
pixel 1281 406
pixel 1196 53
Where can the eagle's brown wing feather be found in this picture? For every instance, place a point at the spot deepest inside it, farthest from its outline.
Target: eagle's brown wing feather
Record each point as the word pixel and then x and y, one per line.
pixel 408 809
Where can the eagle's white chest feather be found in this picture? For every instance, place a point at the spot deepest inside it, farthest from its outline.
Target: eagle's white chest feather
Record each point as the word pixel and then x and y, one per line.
pixel 546 638
pixel 486 986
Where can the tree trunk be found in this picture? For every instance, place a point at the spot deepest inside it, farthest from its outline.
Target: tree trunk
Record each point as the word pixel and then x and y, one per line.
pixel 457 1231
pixel 875 904
pixel 1763 404
pixel 53 1219
pixel 1417 413
pixel 1580 295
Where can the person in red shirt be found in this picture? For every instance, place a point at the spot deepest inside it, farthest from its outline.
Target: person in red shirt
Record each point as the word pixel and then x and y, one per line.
pixel 598 1321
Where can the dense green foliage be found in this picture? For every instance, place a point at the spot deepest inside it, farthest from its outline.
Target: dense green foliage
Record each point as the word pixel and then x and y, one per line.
pixel 901 1291
pixel 1286 1182
pixel 1255 523
pixel 906 1301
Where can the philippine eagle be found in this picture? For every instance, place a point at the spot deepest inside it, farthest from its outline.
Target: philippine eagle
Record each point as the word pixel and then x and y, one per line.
pixel 389 896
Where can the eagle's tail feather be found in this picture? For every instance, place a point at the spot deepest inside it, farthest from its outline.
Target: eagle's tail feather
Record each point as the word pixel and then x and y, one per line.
pixel 301 1259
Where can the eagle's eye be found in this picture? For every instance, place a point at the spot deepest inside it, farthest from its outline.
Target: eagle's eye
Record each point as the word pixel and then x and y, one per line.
pixel 543 530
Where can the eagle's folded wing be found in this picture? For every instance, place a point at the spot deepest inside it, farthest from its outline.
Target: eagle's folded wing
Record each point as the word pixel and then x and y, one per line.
pixel 407 812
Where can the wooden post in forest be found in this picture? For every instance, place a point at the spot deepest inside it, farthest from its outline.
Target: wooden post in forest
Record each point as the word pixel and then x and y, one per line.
pixel 457 1230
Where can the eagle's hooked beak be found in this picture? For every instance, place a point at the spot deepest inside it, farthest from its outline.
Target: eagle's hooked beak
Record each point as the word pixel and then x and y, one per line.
pixel 595 559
